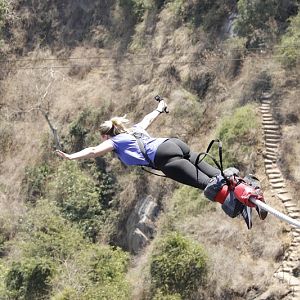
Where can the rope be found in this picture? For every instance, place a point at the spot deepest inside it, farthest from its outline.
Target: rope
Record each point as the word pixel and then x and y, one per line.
pixel 151 62
pixel 141 55
pixel 275 212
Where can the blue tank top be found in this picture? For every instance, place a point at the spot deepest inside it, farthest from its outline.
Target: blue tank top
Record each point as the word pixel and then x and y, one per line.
pixel 126 147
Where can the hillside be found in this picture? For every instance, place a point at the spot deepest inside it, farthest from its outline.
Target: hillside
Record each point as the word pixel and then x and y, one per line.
pixel 96 229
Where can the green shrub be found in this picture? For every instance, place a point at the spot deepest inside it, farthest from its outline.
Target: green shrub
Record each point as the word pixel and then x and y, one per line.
pixel 178 265
pixel 289 47
pixel 77 196
pixel 29 278
pixel 212 19
pixel 189 113
pixel 254 88
pixel 207 14
pixel 101 272
pixel 106 182
pixel 3 238
pixel 160 3
pixel 67 293
pixel 138 8
pixel 199 82
pixel 239 135
pixel 3 272
pixel 6 137
pixel 83 130
pixel 78 130
pixel 45 233
pixel 34 182
pixel 187 202
pixel 178 8
pixel 159 295
pixel 79 268
pixel 253 15
pixel 104 263
pixel 3 11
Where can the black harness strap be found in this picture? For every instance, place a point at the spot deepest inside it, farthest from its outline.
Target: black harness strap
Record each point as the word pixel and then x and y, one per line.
pixel 141 145
pixel 219 164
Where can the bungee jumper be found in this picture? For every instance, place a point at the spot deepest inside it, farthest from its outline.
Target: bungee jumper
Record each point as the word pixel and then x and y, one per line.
pixel 135 147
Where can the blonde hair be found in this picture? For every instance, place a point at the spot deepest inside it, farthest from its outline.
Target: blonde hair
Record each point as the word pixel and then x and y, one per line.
pixel 114 126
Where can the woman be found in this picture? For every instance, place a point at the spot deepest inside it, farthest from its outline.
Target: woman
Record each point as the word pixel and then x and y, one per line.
pixel 172 156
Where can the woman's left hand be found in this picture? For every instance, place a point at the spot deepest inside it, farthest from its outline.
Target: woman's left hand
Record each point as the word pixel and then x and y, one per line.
pixel 162 106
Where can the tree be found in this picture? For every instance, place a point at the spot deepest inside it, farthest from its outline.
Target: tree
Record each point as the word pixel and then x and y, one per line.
pixel 33 93
pixel 289 47
pixel 254 15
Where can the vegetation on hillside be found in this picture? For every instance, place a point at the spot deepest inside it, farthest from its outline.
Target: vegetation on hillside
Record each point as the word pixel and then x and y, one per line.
pixel 53 257
pixel 68 66
pixel 240 133
pixel 289 46
pixel 178 266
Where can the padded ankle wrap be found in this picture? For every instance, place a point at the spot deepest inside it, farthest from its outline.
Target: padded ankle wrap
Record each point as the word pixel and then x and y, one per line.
pixel 243 192
pixel 231 206
pixel 214 187
pixel 217 190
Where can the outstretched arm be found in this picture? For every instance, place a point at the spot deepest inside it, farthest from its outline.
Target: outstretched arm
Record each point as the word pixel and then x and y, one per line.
pixel 90 152
pixel 148 119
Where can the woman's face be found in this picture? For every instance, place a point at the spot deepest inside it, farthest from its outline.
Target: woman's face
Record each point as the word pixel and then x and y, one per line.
pixel 104 137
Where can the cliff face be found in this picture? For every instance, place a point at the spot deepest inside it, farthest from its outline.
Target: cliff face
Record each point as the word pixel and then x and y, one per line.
pixel 69 65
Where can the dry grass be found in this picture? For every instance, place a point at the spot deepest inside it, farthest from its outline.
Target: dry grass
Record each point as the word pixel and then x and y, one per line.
pixel 240 259
pixel 11 212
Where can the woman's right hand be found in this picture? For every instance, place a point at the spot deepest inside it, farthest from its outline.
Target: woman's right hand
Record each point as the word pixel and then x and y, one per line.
pixel 63 154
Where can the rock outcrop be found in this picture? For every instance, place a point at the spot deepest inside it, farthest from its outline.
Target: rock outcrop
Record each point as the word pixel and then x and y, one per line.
pixel 140 225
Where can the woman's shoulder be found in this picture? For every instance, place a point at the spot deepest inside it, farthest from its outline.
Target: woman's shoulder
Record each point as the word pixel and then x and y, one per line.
pixel 122 136
pixel 139 129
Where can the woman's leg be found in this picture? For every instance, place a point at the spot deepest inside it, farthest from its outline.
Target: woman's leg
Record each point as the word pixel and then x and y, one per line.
pixel 172 159
pixel 203 166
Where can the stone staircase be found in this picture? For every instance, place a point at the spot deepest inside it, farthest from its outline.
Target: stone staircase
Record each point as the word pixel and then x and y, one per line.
pixel 289 270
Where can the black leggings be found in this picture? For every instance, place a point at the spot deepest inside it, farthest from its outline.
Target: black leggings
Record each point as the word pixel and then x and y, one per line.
pixel 176 161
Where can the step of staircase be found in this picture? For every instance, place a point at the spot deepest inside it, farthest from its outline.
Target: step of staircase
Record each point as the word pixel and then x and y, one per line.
pixel 269 122
pixel 271 145
pixel 274 176
pixel 286 198
pixel 272 157
pixel 278 185
pixel 265 104
pixel 292 209
pixel 274 127
pixel 271 132
pixel 274 170
pixel 275 135
pixel 272 152
pixel 288 202
pixel 267 116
